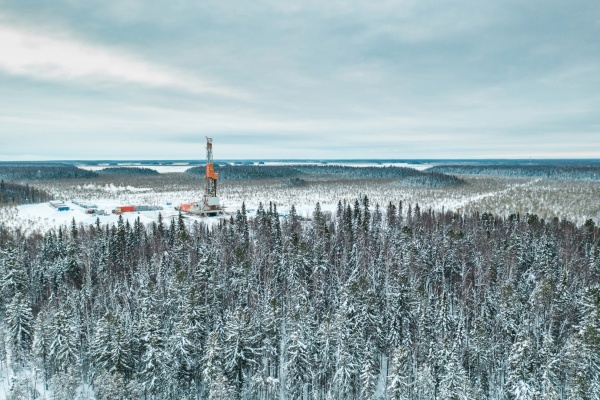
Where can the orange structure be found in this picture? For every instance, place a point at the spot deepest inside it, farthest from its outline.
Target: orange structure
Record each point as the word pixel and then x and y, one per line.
pixel 185 207
pixel 210 204
pixel 123 209
pixel 211 175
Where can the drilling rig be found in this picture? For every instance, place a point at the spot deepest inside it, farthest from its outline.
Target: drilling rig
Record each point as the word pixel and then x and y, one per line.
pixel 210 205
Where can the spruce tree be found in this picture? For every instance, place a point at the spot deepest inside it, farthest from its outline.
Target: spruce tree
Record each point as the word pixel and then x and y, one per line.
pixel 63 336
pixel 213 372
pixel 110 347
pixel 19 322
pixel 400 377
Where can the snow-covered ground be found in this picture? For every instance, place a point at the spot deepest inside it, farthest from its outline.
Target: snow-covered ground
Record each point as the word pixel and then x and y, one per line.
pixel 162 169
pixel 43 216
pixel 574 200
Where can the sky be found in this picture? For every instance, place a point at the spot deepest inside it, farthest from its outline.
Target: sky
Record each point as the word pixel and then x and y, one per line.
pixel 279 79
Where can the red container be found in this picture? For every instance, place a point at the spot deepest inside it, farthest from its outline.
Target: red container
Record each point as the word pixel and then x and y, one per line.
pixel 123 209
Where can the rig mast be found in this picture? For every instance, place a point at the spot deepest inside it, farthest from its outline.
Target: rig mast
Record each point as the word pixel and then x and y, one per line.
pixel 210 192
pixel 211 175
pixel 210 204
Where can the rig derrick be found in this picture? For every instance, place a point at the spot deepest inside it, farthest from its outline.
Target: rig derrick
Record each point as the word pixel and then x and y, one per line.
pixel 210 204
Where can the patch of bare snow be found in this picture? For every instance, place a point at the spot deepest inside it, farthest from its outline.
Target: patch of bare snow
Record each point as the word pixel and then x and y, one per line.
pixel 161 169
pixel 116 189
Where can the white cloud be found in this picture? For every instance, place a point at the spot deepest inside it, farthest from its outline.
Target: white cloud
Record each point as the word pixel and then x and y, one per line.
pixel 31 54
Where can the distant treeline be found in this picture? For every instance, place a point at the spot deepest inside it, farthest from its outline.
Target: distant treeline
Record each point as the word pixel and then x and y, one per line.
pixel 432 179
pixel 359 172
pixel 127 171
pixel 14 193
pixel 589 172
pixel 18 171
pixel 241 172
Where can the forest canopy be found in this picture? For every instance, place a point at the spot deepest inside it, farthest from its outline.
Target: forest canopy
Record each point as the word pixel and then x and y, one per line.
pixel 33 171
pixel 554 171
pixel 127 171
pixel 407 176
pixel 360 303
pixel 15 193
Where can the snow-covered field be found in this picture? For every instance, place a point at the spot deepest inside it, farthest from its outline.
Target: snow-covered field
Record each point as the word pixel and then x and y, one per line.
pixel 574 200
pixel 43 216
pixel 162 169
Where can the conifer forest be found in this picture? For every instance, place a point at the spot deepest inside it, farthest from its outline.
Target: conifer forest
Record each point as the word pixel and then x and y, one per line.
pixel 370 301
pixel 299 200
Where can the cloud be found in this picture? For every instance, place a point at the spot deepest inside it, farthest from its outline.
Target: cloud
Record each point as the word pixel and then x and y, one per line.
pixel 338 79
pixel 30 54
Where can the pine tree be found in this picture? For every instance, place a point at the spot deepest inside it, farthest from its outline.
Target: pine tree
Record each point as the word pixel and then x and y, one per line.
pixel 266 379
pixel 110 347
pixel 369 373
pixel 64 341
pixel 70 266
pixel 181 228
pixel 19 321
pixel 160 226
pixel 391 214
pixel 109 386
pixel 520 371
pixel 21 388
pixel 399 379
pixel 425 385
pixel 41 345
pixel 183 347
pixel 297 366
pixel 213 373
pixel 153 356
pixel 240 346
pixel 366 218
pixel 455 384
pixel 585 348
pixel 74 230
pixel 13 277
pixel 318 220
pixel 245 227
pixel 347 369
pixel 64 383
pixel 549 369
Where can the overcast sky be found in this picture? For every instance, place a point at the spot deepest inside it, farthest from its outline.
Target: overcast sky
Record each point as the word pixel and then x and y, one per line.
pixel 299 79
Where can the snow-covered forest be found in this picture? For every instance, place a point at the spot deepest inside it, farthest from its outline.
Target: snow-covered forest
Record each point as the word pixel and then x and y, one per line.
pixel 408 176
pixel 367 302
pixel 42 170
pixel 14 193
pixel 589 171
